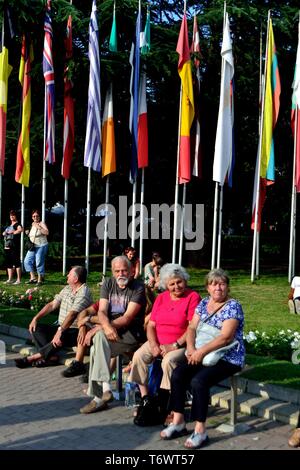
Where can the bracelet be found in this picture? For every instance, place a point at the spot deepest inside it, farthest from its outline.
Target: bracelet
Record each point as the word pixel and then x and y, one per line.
pixel 90 317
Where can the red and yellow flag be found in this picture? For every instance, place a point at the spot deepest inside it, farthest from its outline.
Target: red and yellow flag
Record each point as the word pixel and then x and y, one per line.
pixel 22 174
pixel 187 102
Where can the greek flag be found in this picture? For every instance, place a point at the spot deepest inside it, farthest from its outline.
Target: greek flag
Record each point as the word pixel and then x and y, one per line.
pixel 92 149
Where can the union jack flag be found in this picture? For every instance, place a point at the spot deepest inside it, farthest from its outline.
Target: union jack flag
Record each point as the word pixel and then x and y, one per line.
pixel 48 71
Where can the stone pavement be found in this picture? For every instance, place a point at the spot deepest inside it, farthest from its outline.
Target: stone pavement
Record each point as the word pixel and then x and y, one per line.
pixel 39 410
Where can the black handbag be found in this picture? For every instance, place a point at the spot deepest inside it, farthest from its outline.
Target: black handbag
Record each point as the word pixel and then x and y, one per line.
pixel 29 245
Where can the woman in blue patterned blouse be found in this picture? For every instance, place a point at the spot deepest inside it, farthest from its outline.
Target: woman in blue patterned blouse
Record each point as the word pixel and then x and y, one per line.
pixel 226 315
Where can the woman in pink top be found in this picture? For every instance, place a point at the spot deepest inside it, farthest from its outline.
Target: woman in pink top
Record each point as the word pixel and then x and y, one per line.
pixel 166 332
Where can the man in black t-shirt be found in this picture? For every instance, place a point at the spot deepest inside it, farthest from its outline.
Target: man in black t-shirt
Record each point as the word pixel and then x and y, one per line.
pixel 120 330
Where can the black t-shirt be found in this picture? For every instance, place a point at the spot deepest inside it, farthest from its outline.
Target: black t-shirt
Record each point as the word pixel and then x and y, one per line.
pixel 118 302
pixel 13 241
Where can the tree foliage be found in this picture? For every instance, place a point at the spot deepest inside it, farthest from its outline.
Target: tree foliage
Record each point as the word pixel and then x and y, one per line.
pixel 248 20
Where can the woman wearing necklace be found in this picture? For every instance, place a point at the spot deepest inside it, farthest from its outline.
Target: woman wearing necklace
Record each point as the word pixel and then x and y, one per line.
pixel 166 332
pixel 226 314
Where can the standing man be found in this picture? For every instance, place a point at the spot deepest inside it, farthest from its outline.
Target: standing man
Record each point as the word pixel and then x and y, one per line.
pixel 49 339
pixel 120 330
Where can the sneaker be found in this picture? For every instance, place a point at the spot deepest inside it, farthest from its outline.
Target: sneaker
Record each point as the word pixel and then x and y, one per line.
pixel 76 368
pixel 94 406
pixel 291 306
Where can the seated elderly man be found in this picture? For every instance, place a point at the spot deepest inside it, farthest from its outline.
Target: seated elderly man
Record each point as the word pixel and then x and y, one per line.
pixel 120 330
pixel 49 339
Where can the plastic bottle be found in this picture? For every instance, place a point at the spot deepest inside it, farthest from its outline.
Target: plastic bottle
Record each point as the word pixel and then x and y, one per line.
pixel 130 399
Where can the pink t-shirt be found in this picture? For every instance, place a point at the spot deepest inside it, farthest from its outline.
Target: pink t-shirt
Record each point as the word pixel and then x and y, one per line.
pixel 172 316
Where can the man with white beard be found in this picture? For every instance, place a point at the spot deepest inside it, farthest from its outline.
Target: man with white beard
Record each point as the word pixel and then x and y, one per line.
pixel 120 330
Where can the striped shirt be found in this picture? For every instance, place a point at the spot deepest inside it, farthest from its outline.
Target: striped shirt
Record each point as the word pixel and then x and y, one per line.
pixel 75 301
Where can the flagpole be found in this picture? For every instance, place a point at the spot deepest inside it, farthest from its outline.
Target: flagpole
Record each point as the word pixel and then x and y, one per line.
pixel 220 217
pixel 44 166
pixel 259 158
pixel 22 223
pixel 181 224
pixel 133 212
pixel 291 272
pixel 88 218
pixel 105 226
pixel 176 184
pixel 259 119
pixel 66 191
pixel 2 42
pixel 142 219
pixel 213 252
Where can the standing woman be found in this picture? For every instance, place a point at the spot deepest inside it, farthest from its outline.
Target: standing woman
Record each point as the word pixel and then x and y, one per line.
pixel 35 258
pixel 12 235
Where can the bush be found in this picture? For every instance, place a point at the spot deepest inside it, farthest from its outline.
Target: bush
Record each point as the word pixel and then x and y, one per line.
pixel 279 345
pixel 32 299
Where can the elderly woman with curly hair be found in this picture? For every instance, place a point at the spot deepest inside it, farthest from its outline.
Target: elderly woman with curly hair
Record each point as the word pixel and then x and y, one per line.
pixel 172 311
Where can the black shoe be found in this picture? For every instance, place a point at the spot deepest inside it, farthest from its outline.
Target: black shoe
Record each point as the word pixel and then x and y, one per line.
pixel 76 368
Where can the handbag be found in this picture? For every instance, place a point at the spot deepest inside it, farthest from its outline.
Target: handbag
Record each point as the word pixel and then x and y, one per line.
pixel 29 245
pixel 206 333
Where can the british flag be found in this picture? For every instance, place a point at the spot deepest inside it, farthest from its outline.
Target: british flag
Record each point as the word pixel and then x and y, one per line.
pixel 48 71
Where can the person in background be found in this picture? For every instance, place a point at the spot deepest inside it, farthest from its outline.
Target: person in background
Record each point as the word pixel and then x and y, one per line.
pixel 294 440
pixel 226 314
pixel 130 252
pixel 294 296
pixel 152 270
pixel 172 311
pixel 35 259
pixel 12 238
pixel 49 339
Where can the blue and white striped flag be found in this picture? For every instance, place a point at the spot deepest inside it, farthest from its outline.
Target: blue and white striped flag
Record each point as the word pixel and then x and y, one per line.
pixel 48 72
pixel 92 148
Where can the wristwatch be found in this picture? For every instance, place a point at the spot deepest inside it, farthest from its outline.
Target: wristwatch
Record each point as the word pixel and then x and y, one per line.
pixel 176 345
pixel 60 328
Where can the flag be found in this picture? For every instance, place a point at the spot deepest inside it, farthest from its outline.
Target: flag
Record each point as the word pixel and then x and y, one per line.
pixel 271 109
pixel 223 160
pixel 69 133
pixel 108 136
pixel 113 44
pixel 296 114
pixel 196 158
pixel 22 174
pixel 48 71
pixel 142 125
pixel 265 176
pixel 134 61
pixel 92 149
pixel 145 36
pixel 187 102
pixel 5 70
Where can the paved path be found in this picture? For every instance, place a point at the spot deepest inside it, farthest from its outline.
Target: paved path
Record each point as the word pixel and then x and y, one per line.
pixel 39 409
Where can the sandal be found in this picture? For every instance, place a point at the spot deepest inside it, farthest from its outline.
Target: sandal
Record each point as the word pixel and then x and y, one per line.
pixel 173 431
pixel 23 362
pixel 196 440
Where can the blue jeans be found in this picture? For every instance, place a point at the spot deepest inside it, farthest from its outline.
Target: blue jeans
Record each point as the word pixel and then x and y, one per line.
pixel 35 260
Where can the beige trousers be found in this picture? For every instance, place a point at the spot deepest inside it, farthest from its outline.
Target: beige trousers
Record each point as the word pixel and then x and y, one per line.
pixel 143 357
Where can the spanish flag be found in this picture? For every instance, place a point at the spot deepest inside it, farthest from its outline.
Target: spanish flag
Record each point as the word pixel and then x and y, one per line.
pixel 187 103
pixel 23 151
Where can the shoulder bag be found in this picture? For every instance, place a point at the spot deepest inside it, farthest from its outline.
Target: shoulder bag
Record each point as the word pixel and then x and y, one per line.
pixel 206 333
pixel 29 244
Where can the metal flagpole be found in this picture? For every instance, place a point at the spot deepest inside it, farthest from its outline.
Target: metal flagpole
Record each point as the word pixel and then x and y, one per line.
pixel 105 226
pixel 177 173
pixel 22 223
pixel 293 208
pixel 0 198
pixel 65 226
pixel 88 218
pixel 259 119
pixel 133 212
pixel 181 224
pixel 220 227
pixel 259 161
pixel 142 219
pixel 215 222
pixel 44 167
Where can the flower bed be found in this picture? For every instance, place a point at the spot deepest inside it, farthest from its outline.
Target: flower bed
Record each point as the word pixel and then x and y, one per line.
pixel 32 299
pixel 279 344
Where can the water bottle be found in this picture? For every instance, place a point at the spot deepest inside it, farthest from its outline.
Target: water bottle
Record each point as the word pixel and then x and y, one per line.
pixel 130 389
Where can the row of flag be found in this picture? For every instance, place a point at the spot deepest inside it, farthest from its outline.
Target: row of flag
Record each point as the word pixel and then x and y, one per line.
pixel 102 143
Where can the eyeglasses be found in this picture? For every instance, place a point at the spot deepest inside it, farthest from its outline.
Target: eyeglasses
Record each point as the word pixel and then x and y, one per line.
pixel 34 216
